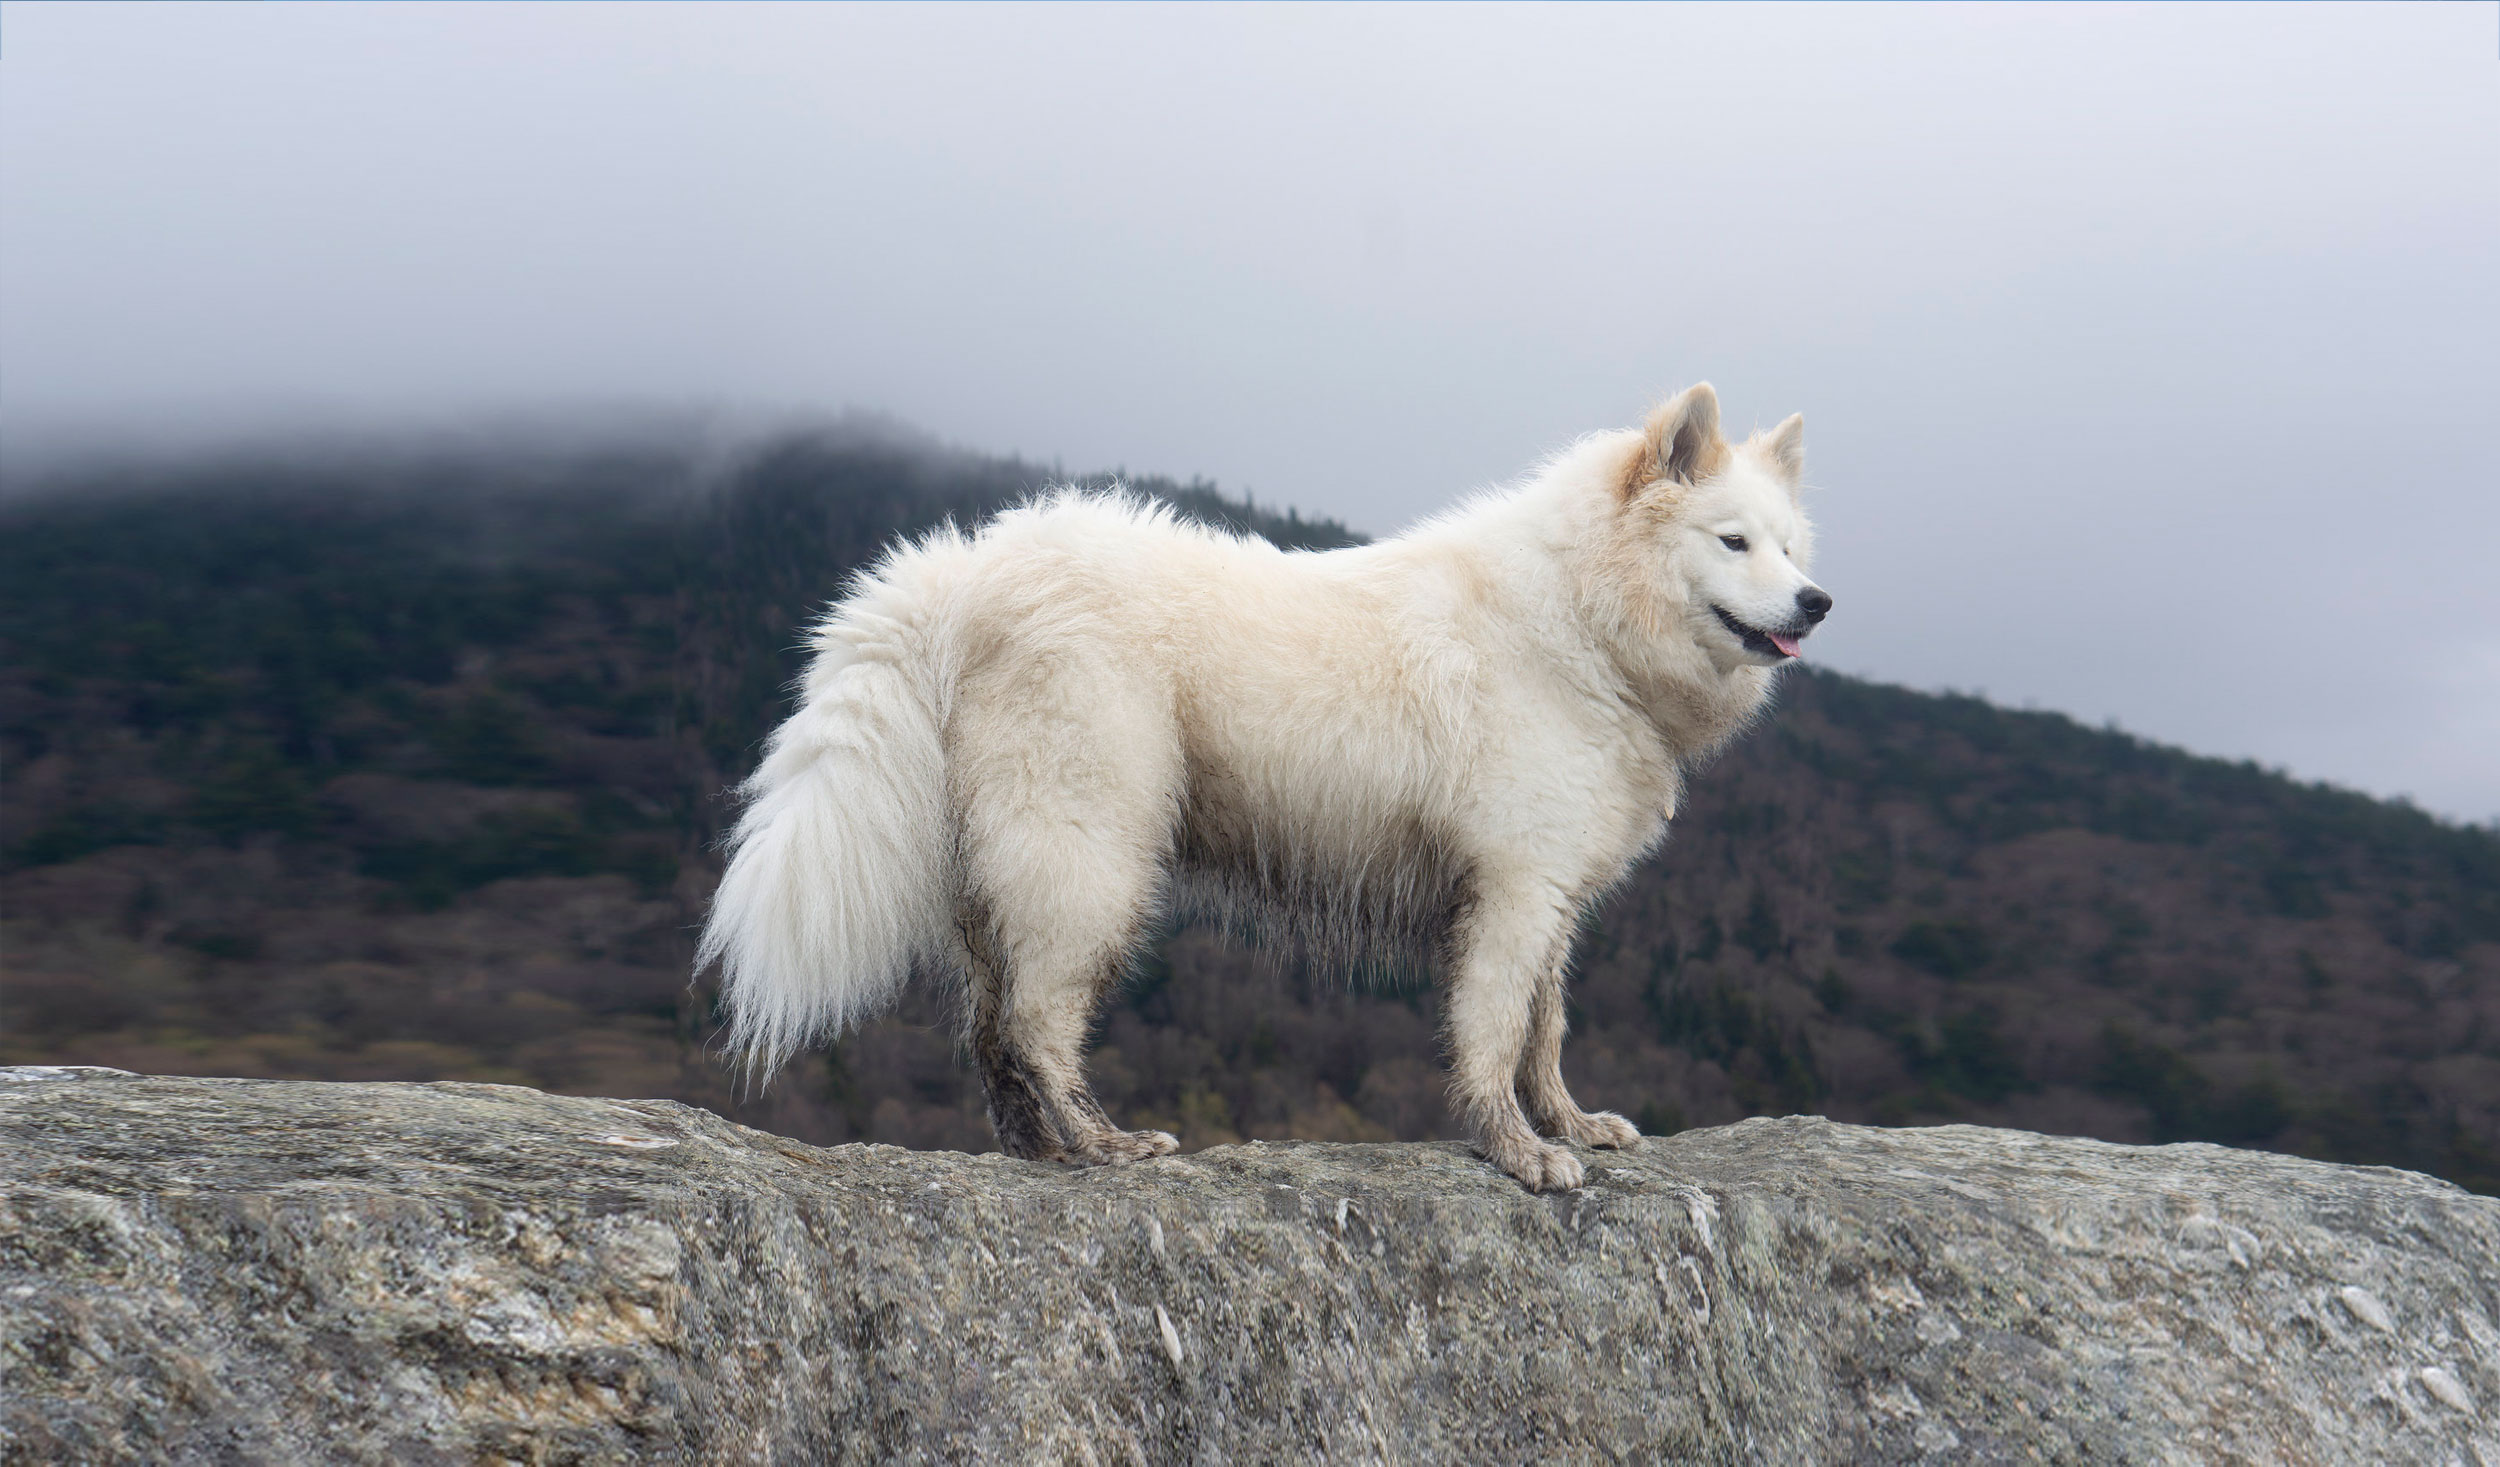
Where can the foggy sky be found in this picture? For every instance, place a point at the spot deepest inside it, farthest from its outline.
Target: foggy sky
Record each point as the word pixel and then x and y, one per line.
pixel 2148 356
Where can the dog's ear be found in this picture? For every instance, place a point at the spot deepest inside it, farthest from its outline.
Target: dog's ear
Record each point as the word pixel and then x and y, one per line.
pixel 1680 443
pixel 1785 447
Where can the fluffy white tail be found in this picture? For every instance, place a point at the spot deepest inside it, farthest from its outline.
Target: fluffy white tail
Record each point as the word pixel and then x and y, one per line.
pixel 840 874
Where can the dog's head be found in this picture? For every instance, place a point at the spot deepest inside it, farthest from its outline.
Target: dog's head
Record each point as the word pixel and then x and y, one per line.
pixel 1721 529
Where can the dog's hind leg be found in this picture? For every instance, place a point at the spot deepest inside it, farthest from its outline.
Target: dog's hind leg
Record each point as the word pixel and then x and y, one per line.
pixel 1065 837
pixel 1033 998
pixel 1019 1108
pixel 1541 1082
pixel 1050 1003
pixel 1503 946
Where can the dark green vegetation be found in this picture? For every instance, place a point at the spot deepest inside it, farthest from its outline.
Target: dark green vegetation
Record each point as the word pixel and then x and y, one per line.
pixel 410 769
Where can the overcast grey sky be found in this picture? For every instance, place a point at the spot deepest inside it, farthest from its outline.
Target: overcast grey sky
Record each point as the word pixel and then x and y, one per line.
pixel 2148 355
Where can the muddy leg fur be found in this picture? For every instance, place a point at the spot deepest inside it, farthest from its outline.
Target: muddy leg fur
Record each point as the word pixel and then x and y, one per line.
pixel 1019 1113
pixel 1047 1021
pixel 1541 1083
pixel 1032 1074
pixel 1502 950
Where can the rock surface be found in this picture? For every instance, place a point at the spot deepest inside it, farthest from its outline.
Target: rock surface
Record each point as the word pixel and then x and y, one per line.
pixel 241 1270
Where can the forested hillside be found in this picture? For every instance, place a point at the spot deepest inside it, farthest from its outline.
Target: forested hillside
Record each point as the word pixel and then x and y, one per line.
pixel 408 767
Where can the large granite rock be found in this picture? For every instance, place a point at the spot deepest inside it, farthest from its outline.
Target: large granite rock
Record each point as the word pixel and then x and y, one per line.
pixel 238 1270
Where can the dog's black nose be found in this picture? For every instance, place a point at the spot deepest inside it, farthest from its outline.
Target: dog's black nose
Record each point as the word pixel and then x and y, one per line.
pixel 1814 601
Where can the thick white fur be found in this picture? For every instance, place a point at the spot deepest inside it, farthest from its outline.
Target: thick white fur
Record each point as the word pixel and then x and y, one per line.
pixel 1015 747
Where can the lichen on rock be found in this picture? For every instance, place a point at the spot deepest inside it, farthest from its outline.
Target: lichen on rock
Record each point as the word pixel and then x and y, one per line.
pixel 270 1271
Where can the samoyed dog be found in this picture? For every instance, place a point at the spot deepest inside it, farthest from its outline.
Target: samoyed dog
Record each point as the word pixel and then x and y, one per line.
pixel 1017 747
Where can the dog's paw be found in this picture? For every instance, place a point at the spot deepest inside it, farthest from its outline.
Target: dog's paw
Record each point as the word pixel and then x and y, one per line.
pixel 1539 1166
pixel 1579 1127
pixel 1605 1128
pixel 1562 1171
pixel 1105 1147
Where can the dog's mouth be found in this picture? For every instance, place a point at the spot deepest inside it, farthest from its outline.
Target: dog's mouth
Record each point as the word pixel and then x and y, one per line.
pixel 1769 644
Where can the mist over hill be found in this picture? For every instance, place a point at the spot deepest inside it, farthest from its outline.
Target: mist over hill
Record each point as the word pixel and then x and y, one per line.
pixel 407 764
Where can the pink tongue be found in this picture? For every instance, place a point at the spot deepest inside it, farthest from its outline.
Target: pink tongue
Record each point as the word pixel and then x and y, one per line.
pixel 1787 645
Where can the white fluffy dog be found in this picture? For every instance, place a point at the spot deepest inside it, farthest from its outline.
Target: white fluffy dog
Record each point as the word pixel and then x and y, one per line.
pixel 1016 746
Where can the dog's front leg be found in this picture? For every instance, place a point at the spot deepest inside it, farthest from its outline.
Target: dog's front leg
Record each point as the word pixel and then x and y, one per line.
pixel 1505 945
pixel 1541 1083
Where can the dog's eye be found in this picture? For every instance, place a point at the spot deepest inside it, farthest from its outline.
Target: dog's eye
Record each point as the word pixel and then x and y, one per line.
pixel 1733 542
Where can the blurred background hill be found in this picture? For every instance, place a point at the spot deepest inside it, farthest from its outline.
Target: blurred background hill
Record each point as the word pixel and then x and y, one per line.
pixel 397 764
